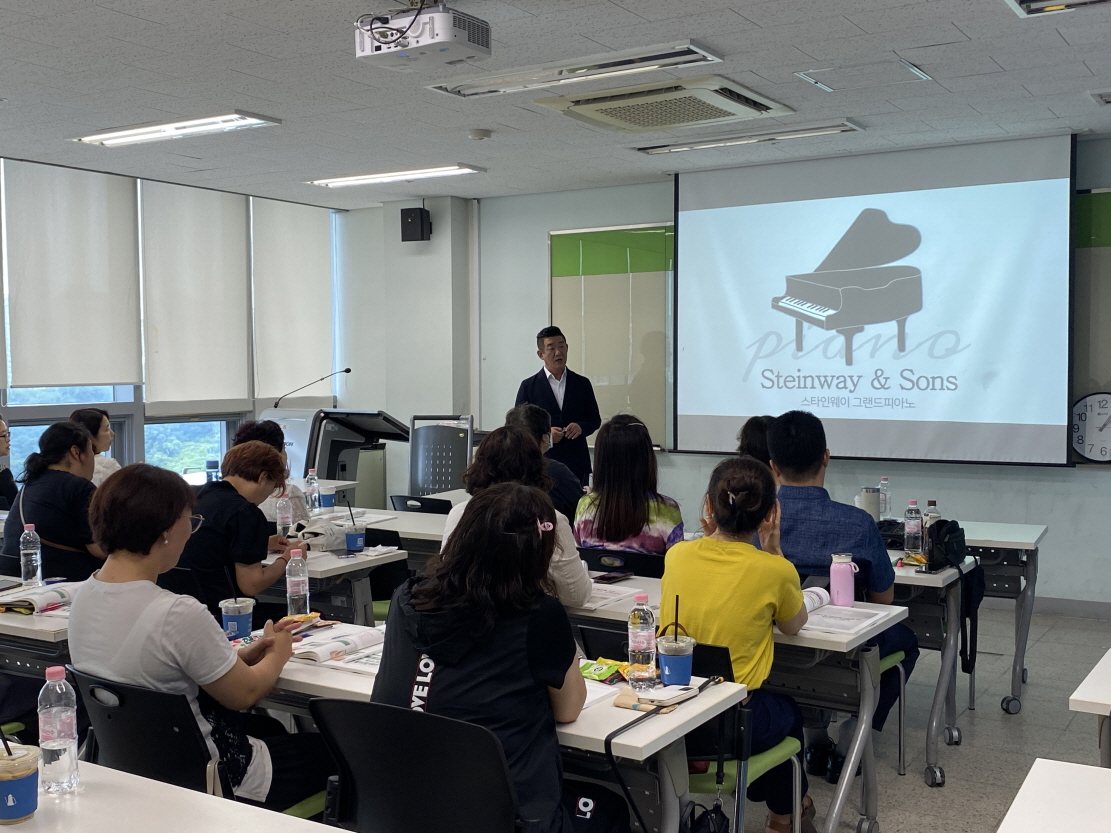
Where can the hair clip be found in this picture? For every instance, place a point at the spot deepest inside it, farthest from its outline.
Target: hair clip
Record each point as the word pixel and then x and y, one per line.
pixel 544 526
pixel 732 499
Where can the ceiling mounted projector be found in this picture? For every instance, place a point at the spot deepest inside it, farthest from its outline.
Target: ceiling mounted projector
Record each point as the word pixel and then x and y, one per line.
pixel 412 40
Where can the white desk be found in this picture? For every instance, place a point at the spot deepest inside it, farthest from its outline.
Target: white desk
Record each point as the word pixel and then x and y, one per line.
pixel 1094 697
pixel 39 627
pixel 351 576
pixel 1059 797
pixel 456 496
pixel 31 644
pixel 660 738
pixel 329 565
pixel 868 679
pixel 943 712
pixel 109 801
pixel 299 482
pixel 417 526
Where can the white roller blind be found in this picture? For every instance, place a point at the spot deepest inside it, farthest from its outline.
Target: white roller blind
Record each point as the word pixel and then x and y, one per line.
pixel 73 277
pixel 292 264
pixel 195 290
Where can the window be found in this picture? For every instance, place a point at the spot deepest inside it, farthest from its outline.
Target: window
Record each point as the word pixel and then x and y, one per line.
pixel 185 446
pixel 25 439
pixel 61 396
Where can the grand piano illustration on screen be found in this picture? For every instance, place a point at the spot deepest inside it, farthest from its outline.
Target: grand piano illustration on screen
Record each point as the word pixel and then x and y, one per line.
pixel 855 286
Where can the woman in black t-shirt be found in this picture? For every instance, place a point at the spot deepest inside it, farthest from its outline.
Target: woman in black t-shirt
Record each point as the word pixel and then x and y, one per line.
pixel 502 648
pixel 227 552
pixel 57 489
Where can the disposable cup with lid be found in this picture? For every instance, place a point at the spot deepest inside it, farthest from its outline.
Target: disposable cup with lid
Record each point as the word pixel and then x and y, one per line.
pixel 19 783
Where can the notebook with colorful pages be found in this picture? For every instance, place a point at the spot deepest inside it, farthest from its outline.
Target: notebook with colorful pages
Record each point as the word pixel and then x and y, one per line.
pixel 40 599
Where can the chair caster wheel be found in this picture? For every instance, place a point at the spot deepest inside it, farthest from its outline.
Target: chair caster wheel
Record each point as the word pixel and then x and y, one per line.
pixel 1025 675
pixel 952 736
pixel 1011 705
pixel 935 776
pixel 867 826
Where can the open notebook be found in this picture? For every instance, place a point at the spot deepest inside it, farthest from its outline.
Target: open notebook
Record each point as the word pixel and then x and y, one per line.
pixel 829 618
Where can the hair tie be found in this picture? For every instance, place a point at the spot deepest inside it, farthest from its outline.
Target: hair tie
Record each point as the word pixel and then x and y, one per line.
pixel 544 526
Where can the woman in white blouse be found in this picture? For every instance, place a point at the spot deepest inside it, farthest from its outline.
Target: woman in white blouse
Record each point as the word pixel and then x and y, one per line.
pixel 97 423
pixel 508 454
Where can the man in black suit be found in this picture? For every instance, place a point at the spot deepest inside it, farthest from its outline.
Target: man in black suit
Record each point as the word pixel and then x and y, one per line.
pixel 568 397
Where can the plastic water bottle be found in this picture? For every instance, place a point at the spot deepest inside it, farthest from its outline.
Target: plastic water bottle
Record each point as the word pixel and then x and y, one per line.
pixel 912 523
pixel 312 491
pixel 30 556
pixel 642 645
pixel 931 514
pixel 885 498
pixel 284 514
pixel 297 583
pixel 58 732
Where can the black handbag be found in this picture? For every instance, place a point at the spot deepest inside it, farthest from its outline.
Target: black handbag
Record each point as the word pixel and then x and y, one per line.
pixel 946 546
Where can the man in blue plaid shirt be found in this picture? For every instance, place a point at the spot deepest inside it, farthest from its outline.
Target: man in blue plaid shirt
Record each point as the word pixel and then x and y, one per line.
pixel 812 527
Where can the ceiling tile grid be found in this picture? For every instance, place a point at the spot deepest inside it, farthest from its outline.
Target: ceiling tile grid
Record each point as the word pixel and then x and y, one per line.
pixel 72 67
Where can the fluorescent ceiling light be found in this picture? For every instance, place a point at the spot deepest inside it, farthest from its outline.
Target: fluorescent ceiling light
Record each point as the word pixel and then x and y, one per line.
pixel 397 176
pixel 664 56
pixel 752 138
pixel 1030 8
pixel 235 120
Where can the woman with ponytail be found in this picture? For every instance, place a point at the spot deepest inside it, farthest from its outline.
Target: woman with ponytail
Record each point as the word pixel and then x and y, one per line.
pixel 57 490
pixel 730 593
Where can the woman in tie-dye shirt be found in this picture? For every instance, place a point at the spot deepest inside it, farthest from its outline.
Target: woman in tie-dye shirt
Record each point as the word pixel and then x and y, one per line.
pixel 625 512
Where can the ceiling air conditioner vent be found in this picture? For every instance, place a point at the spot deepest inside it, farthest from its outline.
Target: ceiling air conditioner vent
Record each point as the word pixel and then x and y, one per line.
pixel 690 102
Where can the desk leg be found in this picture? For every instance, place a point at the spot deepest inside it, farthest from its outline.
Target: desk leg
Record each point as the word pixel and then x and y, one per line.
pixel 1105 741
pixel 868 662
pixel 674 785
pixel 1024 611
pixel 362 602
pixel 945 692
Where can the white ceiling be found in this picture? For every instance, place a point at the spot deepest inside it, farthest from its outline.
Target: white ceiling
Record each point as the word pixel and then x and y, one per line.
pixel 72 67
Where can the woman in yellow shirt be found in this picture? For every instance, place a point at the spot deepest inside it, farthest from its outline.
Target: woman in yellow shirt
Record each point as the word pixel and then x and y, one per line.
pixel 730 593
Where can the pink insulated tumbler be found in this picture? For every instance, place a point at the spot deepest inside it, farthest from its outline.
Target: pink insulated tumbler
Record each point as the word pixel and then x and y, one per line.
pixel 841 589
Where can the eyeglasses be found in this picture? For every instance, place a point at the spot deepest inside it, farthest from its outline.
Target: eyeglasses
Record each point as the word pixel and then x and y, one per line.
pixel 6 435
pixel 195 522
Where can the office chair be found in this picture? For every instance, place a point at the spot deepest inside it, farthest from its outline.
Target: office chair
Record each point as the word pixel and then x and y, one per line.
pixel 385 793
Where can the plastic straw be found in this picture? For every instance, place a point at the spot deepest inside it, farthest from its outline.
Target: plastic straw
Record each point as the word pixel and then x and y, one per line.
pixel 231 584
pixel 676 617
pixel 7 748
pixel 352 511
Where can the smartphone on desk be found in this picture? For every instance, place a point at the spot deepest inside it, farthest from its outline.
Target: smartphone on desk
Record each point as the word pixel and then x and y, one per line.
pixel 8 584
pixel 613 576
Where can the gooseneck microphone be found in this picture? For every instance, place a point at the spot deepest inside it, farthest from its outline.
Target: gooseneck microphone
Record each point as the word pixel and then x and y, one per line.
pixel 321 379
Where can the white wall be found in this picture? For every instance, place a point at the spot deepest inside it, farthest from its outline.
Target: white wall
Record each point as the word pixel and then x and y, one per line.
pixel 514 294
pixel 403 314
pixel 514 304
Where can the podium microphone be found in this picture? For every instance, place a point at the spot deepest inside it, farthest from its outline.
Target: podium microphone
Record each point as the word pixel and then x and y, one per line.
pixel 321 379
